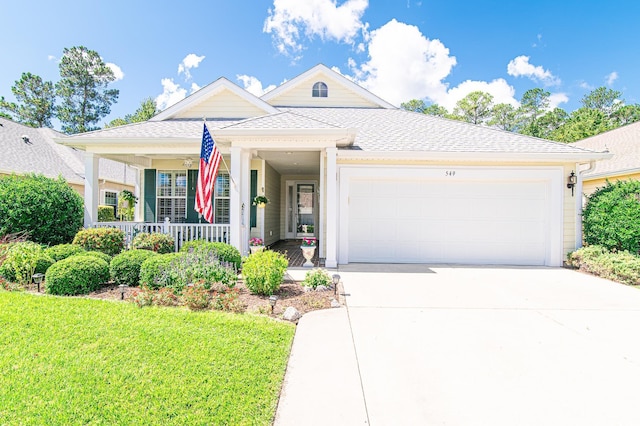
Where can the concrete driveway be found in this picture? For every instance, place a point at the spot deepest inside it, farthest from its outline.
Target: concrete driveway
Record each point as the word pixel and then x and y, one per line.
pixel 422 345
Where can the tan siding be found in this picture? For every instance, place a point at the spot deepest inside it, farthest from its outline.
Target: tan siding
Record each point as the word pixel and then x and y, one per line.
pixel 590 185
pixel 225 104
pixel 274 210
pixel 338 95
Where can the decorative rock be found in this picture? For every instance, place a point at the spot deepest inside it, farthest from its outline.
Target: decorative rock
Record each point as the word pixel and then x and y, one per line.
pixel 291 314
pixel 306 288
pixel 335 303
pixel 322 288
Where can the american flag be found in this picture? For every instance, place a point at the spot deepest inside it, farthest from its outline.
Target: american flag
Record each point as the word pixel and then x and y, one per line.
pixel 207 172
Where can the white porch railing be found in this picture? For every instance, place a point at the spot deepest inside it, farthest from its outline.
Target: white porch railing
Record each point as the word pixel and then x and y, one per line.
pixel 181 232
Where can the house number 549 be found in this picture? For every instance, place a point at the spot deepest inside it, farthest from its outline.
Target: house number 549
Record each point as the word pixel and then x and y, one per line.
pixel 450 173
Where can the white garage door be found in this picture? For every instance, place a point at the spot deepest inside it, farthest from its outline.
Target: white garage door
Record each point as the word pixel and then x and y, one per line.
pixel 426 220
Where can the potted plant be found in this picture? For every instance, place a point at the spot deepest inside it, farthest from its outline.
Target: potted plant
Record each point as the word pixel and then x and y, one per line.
pixel 308 247
pixel 126 205
pixel 260 201
pixel 256 245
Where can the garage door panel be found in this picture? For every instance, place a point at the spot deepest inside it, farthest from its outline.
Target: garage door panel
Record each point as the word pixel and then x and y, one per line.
pixel 429 220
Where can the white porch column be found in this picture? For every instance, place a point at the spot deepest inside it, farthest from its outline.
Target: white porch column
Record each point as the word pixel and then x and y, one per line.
pixel 245 192
pixel 322 217
pixel 235 200
pixel 91 192
pixel 332 209
pixel 139 211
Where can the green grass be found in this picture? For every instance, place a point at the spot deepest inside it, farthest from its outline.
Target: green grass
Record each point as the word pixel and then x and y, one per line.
pixel 76 361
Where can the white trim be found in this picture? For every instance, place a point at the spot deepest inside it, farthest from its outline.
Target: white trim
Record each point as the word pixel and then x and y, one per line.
pixel 211 90
pixel 472 156
pixel 91 188
pixel 322 69
pixel 553 176
pixel 103 198
pixel 316 210
pixel 332 209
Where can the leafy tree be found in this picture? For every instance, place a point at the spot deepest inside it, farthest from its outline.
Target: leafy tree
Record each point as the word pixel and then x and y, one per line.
pixel 83 90
pixel 436 110
pixel 605 100
pixel 504 117
pixel 146 110
pixel 533 105
pixel 551 121
pixel 474 108
pixel 36 101
pixel 626 114
pixel 415 105
pixel 582 123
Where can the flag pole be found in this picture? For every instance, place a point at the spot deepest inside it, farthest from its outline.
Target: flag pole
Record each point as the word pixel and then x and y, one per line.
pixel 224 162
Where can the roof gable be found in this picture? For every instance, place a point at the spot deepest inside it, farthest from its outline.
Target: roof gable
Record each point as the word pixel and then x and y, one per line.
pixel 342 92
pixel 220 99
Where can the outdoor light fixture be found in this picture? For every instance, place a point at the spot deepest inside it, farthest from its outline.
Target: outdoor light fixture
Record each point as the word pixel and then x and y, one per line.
pixel 123 288
pixel 336 280
pixel 272 301
pixel 571 181
pixel 37 278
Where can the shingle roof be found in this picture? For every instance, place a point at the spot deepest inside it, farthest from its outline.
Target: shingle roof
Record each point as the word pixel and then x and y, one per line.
pixel 282 120
pixel 40 154
pixel 623 143
pixel 171 128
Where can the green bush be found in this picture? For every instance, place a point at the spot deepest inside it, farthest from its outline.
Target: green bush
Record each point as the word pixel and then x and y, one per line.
pixel 317 277
pixel 585 257
pixel 160 243
pixel 106 214
pixel 225 252
pixel 62 251
pixel 78 274
pixel 98 254
pixel 263 272
pixel 106 240
pixel 622 266
pixel 611 217
pixel 163 271
pixel 196 297
pixel 125 267
pixel 24 259
pixel 48 209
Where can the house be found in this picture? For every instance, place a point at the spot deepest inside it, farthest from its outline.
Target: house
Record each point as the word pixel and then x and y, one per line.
pixel 372 182
pixel 624 145
pixel 29 150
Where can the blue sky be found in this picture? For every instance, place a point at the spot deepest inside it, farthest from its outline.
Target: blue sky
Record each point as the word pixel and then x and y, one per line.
pixel 399 49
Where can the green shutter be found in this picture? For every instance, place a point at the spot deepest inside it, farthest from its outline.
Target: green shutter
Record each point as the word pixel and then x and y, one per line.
pixel 192 182
pixel 254 193
pixel 150 195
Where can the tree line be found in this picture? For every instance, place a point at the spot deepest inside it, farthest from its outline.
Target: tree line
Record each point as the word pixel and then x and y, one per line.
pixel 602 109
pixel 79 100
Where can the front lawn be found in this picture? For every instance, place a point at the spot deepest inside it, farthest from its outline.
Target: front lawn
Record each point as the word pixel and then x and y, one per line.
pixel 77 361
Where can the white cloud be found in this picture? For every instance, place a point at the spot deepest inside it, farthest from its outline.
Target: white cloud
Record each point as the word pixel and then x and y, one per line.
pixel 611 78
pixel 290 20
pixel 51 58
pixel 404 64
pixel 586 86
pixel 190 61
pixel 117 71
pixel 520 66
pixel 194 87
pixel 501 91
pixel 253 85
pixel 171 93
pixel 556 99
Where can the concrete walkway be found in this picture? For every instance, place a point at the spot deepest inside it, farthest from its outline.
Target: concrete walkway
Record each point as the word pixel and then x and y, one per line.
pixel 467 346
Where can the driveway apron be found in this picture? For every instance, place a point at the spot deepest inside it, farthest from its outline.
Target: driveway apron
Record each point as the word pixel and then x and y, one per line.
pixel 476 346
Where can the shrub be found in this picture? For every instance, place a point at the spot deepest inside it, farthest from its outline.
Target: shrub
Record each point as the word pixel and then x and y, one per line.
pixel 62 251
pixel 228 301
pixel 24 259
pixel 105 214
pixel 165 297
pixel 125 267
pixel 78 274
pixel 263 272
pixel 621 266
pixel 584 257
pixel 317 277
pixel 98 254
pixel 106 240
pixel 196 297
pixel 160 243
pixel 163 271
pixel 225 252
pixel 611 217
pixel 48 209
pixel 142 297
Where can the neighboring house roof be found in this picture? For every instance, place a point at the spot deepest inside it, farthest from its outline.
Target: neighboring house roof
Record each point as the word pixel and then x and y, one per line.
pixel 623 143
pixel 40 154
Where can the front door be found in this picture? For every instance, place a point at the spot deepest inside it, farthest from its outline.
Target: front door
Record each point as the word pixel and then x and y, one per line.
pixel 301 209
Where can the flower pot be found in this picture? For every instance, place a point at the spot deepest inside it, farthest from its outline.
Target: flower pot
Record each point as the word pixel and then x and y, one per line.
pixel 308 252
pixel 261 205
pixel 256 249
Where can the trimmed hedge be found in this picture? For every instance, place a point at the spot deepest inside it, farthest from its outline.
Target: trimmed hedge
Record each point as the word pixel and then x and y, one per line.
pixel 98 254
pixel 105 240
pixel 48 209
pixel 163 271
pixel 22 260
pixel 623 267
pixel 106 214
pixel 78 274
pixel 263 272
pixel 62 251
pixel 160 243
pixel 125 267
pixel 225 252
